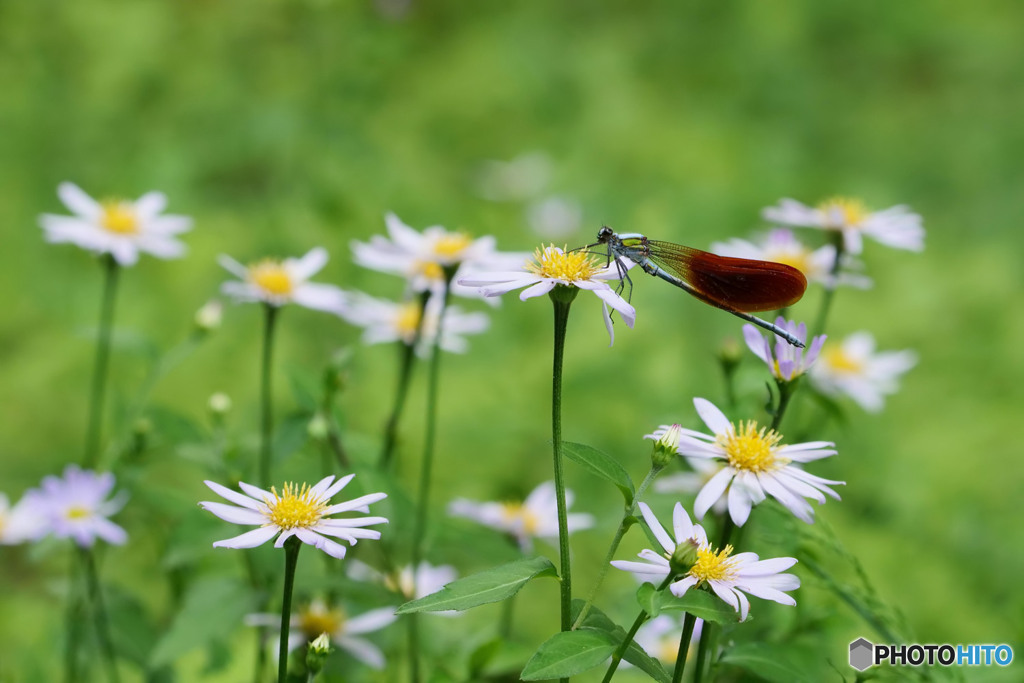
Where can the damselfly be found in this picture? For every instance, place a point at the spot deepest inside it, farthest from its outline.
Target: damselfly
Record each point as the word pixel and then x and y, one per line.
pixel 735 285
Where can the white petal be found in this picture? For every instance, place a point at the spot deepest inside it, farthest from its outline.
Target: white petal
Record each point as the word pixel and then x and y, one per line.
pixel 374 620
pixel 309 265
pixel 235 515
pixel 363 650
pixel 714 418
pixel 539 289
pixel 712 491
pixel 232 266
pixel 238 498
pixel 150 204
pixel 78 201
pixel 249 539
pixel 659 531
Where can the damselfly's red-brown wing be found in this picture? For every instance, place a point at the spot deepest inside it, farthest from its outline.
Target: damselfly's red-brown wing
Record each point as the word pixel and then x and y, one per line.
pixel 739 284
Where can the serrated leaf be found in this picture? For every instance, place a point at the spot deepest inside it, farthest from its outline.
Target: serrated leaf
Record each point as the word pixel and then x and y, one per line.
pixel 700 604
pixel 768 662
pixel 491 585
pixel 601 464
pixel 569 653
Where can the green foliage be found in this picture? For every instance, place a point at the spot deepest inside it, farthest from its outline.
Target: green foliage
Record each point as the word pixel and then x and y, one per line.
pixel 602 465
pixel 492 585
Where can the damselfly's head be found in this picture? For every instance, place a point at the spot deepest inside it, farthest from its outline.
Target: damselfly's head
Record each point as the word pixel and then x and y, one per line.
pixel 604 235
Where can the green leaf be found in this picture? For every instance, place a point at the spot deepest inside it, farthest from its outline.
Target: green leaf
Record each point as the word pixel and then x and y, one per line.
pixel 491 585
pixel 647 598
pixel 635 655
pixel 213 609
pixel 568 653
pixel 601 464
pixel 701 604
pixel 770 662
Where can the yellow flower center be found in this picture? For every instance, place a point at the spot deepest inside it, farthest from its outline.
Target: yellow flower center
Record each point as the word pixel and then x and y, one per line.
pixel 317 619
pixel 119 217
pixel 749 448
pixel 271 277
pixel 713 566
pixel 408 321
pixel 78 512
pixel 853 211
pixel 295 507
pixel 841 362
pixel 568 266
pixel 518 513
pixel 450 246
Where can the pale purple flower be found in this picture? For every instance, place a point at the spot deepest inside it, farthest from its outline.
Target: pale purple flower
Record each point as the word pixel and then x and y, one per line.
pixel 897 227
pixel 77 506
pixel 789 361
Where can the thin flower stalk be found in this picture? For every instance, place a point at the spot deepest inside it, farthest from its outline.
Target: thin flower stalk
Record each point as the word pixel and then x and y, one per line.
pixel 561 297
pixel 111 270
pixel 408 359
pixel 684 647
pixel 291 559
pixel 266 401
pixel 624 645
pixel 99 613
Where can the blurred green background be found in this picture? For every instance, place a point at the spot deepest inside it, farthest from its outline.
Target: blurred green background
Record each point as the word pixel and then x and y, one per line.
pixel 281 125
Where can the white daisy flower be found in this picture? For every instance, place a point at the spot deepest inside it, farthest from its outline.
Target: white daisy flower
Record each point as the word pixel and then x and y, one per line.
pixel 422 258
pixel 387 321
pixel 789 361
pixel 280 282
pixel 897 227
pixel 659 637
pixel 343 630
pixel 535 517
pixel 120 228
pixel 76 506
pixel 303 512
pixel 729 576
pixel 553 266
pixel 22 522
pixel 853 368
pixel 782 246
pixel 755 465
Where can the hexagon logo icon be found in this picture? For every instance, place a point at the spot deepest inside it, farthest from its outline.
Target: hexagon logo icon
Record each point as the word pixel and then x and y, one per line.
pixel 861 654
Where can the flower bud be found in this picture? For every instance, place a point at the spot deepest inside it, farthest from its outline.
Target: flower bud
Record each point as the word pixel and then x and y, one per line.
pixel 665 448
pixel 219 404
pixel 316 653
pixel 683 557
pixel 209 316
pixel 318 429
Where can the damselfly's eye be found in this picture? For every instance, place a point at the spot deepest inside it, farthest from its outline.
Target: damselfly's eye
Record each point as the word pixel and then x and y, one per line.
pixel 604 233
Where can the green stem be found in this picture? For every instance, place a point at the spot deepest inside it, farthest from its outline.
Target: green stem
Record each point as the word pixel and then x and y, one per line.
pixel 99 373
pixel 291 559
pixel 99 614
pixel 684 646
pixel 408 359
pixel 266 402
pixel 619 533
pixel 624 645
pixel 565 574
pixel 728 526
pixel 508 608
pixel 74 619
pixel 786 391
pixel 830 287
pixel 426 468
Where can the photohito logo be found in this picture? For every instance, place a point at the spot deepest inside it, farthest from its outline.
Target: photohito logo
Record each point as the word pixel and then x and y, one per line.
pixel 864 653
